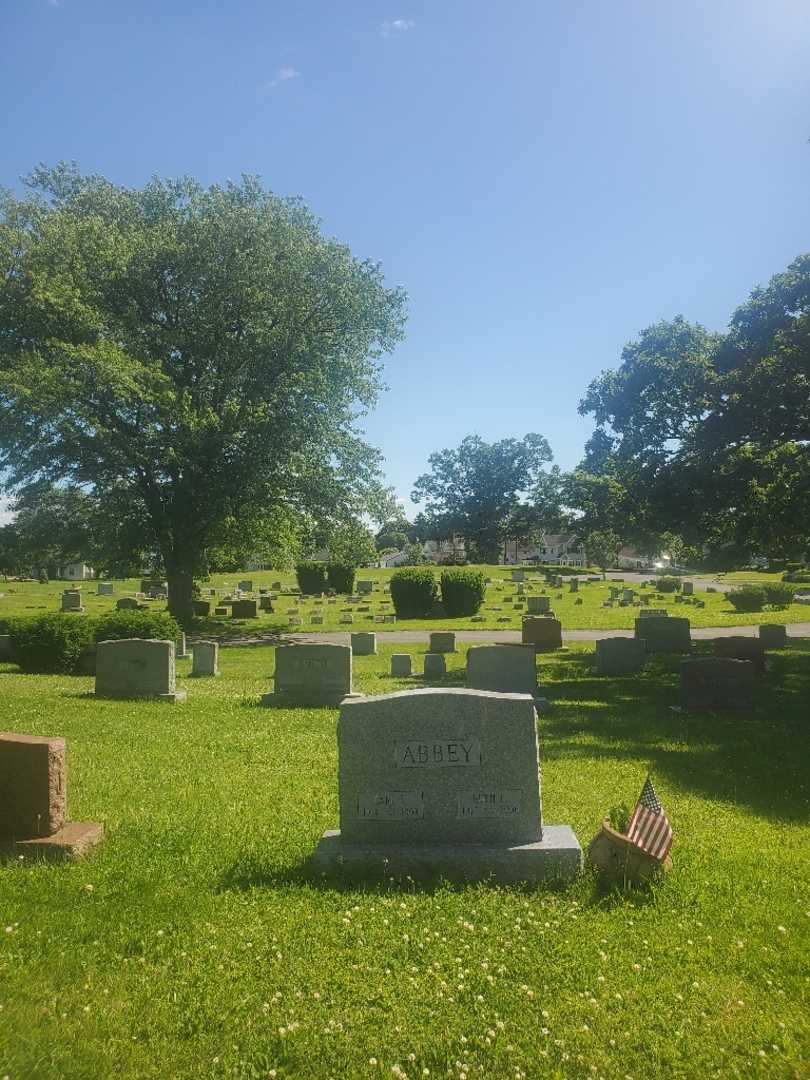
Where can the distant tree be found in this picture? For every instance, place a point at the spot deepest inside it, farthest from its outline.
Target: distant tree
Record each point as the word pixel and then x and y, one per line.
pixel 476 488
pixel 391 539
pixel 200 351
pixel 602 548
pixel 352 544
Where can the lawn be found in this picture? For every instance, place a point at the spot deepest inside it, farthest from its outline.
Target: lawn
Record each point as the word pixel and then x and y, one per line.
pixel 195 943
pixel 500 611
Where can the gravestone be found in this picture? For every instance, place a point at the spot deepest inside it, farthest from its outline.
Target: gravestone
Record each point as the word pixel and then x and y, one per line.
pixel 364 644
pixel 653 611
pixel 444 783
pixel 714 682
pixel 435 666
pixel 538 605
pixel 687 588
pixel 245 609
pixel 220 610
pixel 620 656
pixel 346 619
pixel 442 641
pixel 518 575
pixel 137 668
pixel 742 648
pixel 401 665
pixel 33 800
pixel 201 608
pixel 543 633
pixel 72 600
pixel 127 603
pixel 573 585
pixel 365 586
pixel 205 659
pixel 773 636
pixel 506 669
pixel 182 653
pixel 245 586
pixel 628 594
pixel 311 674
pixel 664 633
pixel 105 588
pixel 316 620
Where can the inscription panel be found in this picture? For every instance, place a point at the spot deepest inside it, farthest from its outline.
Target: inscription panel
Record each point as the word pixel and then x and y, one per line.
pixel 438 753
pixel 390 805
pixel 489 804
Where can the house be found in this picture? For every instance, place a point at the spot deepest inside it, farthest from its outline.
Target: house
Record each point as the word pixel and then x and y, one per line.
pixel 436 550
pixel 393 558
pixel 564 549
pixel 631 559
pixel 76 572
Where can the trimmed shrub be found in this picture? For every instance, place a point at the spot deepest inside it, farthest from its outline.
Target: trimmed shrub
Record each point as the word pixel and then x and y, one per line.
pixel 311 577
pixel 668 584
pixel 414 592
pixel 747 598
pixel 800 577
pixel 340 577
pixel 158 625
pixel 50 644
pixel 778 594
pixel 463 591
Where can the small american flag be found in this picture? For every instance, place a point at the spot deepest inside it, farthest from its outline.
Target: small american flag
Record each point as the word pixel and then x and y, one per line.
pixel 649 826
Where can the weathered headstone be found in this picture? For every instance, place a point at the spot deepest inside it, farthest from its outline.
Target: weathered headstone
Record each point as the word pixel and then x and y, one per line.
pixel 245 609
pixel 628 594
pixel 401 665
pixel 346 619
pixel 664 633
pixel 311 674
pixel 506 669
pixel 518 575
pixel 742 648
pixel 127 603
pixel 573 585
pixel 245 586
pixel 182 652
pixel 72 600
pixel 364 644
pixel 201 608
pixel 33 800
pixel 620 656
pixel 687 588
pixel 773 635
pixel 442 641
pixel 365 586
pixel 105 588
pixel 205 659
pixel 221 610
pixel 714 682
pixel 543 633
pixel 538 605
pixel 137 668
pixel 435 666
pixel 651 611
pixel 444 783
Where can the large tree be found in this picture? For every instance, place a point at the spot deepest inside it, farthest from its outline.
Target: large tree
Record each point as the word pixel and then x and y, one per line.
pixel 203 352
pixel 476 488
pixel 709 434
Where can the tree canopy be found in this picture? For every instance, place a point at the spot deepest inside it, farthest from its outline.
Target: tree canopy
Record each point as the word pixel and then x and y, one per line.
pixel 196 357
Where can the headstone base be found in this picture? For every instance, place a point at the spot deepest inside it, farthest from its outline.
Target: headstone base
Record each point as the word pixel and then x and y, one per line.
pixel 306 700
pixel 556 858
pixel 70 842
pixel 173 699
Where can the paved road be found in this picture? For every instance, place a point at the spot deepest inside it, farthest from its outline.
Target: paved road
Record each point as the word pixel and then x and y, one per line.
pixel 416 637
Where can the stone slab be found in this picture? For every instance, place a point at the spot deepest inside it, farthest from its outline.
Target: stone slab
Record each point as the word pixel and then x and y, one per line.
pixel 741 648
pixel 311 674
pixel 545 634
pixel 72 841
pixel 715 682
pixel 556 858
pixel 435 666
pixel 620 656
pixel 664 633
pixel 506 669
pixel 364 643
pixel 245 609
pixel 401 665
pixel 33 785
pixel 442 641
pixel 773 635
pixel 137 668
pixel 205 659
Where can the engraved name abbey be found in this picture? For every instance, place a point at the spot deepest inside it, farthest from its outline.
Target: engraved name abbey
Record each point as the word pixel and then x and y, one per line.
pixel 437 753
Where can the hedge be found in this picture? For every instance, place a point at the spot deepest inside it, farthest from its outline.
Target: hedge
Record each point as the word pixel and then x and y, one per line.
pixel 463 591
pixel 340 577
pixel 53 644
pixel 311 577
pixel 747 598
pixel 779 594
pixel 667 584
pixel 414 592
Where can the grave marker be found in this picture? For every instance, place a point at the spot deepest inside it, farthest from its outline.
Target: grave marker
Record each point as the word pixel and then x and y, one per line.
pixel 311 674
pixel 137 668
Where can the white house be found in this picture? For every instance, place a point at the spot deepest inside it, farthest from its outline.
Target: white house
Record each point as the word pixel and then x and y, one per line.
pixel 76 572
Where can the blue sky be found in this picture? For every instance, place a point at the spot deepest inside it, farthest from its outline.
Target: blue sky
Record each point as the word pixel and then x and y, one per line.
pixel 544 178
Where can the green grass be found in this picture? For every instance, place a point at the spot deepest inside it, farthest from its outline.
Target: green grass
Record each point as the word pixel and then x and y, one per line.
pixel 195 943
pixel 26 598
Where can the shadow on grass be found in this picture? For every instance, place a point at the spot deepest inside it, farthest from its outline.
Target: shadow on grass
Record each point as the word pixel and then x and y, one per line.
pixel 759 759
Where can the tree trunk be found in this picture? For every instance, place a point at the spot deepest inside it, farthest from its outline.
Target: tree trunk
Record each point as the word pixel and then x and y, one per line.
pixel 181 594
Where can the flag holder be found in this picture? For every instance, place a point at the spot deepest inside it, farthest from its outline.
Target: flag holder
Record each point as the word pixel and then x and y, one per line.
pixel 620 861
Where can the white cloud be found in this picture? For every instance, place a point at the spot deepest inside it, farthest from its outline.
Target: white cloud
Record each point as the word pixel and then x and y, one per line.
pixel 283 75
pixel 395 27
